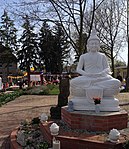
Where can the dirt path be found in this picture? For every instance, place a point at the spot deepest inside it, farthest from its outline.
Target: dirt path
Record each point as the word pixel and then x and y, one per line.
pixel 24 107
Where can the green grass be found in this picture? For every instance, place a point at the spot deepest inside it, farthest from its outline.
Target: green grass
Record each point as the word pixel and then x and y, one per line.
pixel 50 89
pixel 53 89
pixel 36 90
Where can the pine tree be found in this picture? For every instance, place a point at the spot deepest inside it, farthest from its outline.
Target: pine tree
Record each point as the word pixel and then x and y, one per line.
pixel 60 49
pixel 54 48
pixel 46 46
pixel 8 32
pixel 8 39
pixel 27 55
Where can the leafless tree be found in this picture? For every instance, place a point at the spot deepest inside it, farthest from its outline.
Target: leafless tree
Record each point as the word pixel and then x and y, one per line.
pixel 69 13
pixel 108 20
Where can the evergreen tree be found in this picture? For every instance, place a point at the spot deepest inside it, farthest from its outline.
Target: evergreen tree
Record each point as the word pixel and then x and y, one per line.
pixel 27 55
pixel 54 48
pixel 6 58
pixel 60 49
pixel 46 46
pixel 8 39
pixel 8 35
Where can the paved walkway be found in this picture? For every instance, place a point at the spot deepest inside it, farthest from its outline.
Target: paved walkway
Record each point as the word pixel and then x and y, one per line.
pixel 24 107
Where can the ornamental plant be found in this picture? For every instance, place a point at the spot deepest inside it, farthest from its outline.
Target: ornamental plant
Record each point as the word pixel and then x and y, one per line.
pixel 97 100
pixel 30 131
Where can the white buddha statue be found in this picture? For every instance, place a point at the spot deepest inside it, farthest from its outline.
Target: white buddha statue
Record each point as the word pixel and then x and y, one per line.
pixel 95 80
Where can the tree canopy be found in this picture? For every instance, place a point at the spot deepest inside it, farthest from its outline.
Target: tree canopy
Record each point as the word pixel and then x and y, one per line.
pixel 76 18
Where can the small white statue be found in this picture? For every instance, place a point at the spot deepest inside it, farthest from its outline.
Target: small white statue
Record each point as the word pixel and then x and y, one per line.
pixel 95 80
pixel 70 106
pixel 43 117
pixel 54 128
pixel 114 135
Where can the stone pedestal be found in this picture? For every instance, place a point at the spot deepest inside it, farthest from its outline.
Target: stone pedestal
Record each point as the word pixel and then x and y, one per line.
pixel 109 104
pixel 91 121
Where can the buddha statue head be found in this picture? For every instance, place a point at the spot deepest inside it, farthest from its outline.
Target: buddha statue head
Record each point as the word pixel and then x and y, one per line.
pixel 93 43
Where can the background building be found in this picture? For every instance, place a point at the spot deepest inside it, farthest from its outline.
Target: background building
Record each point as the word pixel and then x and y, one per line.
pixel 8 63
pixel 122 70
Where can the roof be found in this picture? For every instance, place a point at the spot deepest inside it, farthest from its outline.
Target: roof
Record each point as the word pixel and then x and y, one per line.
pixel 2 48
pixel 6 53
pixel 121 67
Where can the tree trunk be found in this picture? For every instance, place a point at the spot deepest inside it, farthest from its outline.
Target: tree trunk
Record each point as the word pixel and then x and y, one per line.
pixel 112 62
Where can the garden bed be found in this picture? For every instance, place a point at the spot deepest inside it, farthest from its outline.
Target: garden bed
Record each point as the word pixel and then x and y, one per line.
pixel 38 137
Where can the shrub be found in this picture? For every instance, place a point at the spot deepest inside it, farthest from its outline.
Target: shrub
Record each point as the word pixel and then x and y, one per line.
pixel 4 98
pixel 42 90
pixel 37 90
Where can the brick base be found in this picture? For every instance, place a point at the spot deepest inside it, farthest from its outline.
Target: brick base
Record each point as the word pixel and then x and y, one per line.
pixel 84 120
pixel 70 140
pixel 89 120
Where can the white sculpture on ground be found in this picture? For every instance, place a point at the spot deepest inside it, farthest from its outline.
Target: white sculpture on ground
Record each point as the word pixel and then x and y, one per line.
pixel 43 117
pixel 114 135
pixel 95 80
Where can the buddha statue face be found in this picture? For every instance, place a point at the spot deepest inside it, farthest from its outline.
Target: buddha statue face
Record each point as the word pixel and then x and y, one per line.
pixel 93 43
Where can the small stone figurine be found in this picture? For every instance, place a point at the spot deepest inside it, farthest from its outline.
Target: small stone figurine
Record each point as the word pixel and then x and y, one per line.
pixel 54 129
pixel 43 117
pixel 70 106
pixel 114 135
